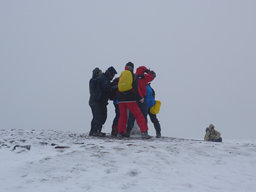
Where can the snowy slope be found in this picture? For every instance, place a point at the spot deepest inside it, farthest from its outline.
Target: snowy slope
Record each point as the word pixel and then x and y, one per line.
pixel 94 164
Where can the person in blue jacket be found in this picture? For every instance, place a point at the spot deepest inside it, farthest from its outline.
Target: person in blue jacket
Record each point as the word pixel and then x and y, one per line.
pixel 150 98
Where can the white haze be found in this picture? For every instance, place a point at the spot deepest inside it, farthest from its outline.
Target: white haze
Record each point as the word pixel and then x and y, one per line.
pixel 203 53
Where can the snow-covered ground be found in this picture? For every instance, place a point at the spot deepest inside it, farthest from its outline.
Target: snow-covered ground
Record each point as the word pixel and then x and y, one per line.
pixel 54 161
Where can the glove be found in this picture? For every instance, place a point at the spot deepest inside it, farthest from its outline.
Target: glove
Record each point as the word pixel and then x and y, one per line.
pixel 147 71
pixel 213 140
pixel 153 74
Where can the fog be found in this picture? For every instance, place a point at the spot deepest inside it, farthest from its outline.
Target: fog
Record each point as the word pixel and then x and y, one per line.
pixel 203 53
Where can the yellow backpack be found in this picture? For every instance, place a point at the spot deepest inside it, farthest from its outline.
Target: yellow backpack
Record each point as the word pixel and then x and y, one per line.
pixel 125 81
pixel 156 108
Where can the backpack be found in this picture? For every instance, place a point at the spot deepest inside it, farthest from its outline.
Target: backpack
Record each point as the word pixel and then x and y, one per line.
pixel 125 81
pixel 156 108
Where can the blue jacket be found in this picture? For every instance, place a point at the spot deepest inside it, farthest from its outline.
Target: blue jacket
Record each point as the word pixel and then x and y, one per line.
pixel 150 97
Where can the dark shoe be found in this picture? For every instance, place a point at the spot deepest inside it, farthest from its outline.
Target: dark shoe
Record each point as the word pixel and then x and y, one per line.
pixel 127 134
pixel 120 135
pixel 158 135
pixel 102 134
pixel 145 135
pixel 114 132
pixel 95 134
pixel 90 133
pixel 99 134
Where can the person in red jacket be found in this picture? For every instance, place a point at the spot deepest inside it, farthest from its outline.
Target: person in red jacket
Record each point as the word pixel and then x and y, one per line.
pixel 144 76
pixel 127 100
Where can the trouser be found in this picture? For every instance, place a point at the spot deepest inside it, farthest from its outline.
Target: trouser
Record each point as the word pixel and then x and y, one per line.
pixel 115 121
pixel 93 117
pixel 219 140
pixel 100 110
pixel 144 110
pixel 155 121
pixel 135 110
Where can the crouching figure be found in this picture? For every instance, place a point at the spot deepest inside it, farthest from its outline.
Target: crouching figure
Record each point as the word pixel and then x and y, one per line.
pixel 212 135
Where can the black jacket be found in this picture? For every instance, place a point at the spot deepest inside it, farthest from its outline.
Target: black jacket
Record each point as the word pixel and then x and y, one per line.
pixel 93 89
pixel 103 88
pixel 131 94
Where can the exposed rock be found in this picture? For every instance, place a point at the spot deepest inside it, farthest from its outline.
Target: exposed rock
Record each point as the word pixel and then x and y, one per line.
pixel 22 146
pixel 61 147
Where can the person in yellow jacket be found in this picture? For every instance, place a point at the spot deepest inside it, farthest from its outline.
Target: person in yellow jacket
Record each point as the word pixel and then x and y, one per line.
pixel 212 135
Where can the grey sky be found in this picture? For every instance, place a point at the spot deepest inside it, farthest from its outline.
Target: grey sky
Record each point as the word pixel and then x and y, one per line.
pixel 203 52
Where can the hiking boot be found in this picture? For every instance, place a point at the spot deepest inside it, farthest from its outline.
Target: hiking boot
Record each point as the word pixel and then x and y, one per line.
pixel 145 135
pixel 127 134
pixel 114 132
pixel 102 134
pixel 120 135
pixel 95 134
pixel 158 135
pixel 99 134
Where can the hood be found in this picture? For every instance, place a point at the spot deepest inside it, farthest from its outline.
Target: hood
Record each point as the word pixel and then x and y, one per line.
pixel 141 70
pixel 211 126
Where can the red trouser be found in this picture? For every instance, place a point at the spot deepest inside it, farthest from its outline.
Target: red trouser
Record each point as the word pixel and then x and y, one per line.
pixel 135 110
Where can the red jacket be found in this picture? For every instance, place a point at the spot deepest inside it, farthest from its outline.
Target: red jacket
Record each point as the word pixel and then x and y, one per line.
pixel 143 79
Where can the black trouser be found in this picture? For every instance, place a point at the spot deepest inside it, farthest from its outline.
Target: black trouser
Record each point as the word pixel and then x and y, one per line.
pixel 115 121
pixel 219 140
pixel 93 117
pixel 100 111
pixel 155 121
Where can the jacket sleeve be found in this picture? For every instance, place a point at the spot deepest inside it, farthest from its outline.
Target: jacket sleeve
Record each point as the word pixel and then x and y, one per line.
pixel 148 77
pixel 106 86
pixel 217 135
pixel 206 137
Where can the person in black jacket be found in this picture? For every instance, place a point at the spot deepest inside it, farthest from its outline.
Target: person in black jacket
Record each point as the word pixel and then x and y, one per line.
pixel 96 73
pixel 114 98
pixel 101 98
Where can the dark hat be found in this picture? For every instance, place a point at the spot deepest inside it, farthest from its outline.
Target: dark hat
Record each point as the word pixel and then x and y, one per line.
pixel 130 64
pixel 95 71
pixel 112 70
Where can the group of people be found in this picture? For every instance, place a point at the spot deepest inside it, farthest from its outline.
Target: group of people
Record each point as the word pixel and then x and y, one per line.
pixel 132 96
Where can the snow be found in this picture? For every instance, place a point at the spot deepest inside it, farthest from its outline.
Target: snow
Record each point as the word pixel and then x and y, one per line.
pixel 108 164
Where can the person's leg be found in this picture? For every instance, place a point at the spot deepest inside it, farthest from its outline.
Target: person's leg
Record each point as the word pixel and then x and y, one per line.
pixel 100 116
pixel 92 122
pixel 131 121
pixel 122 118
pixel 156 123
pixel 144 108
pixel 117 112
pixel 115 121
pixel 219 140
pixel 135 110
pixel 104 115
